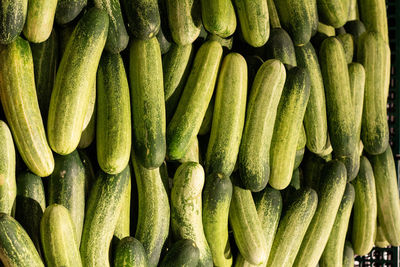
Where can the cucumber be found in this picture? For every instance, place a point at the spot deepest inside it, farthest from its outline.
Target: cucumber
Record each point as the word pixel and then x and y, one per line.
pixel 330 193
pixel 298 158
pixel 89 132
pixel 348 255
pixel 326 29
pixel 261 111
pixel 228 116
pixel 67 188
pixel 355 28
pixel 348 45
pixel 20 105
pixel 122 229
pixel 193 153
pixel 387 195
pixel 130 252
pixel 45 62
pixel 280 46
pixel 68 10
pixel 186 213
pixel 90 176
pixel 58 239
pixel 184 20
pixel 165 44
pixel 90 109
pixel 273 14
pixel 289 117
pixel 254 21
pixel 217 195
pixel 113 125
pixel 39 20
pixel 154 211
pixel 353 11
pixel 8 187
pixel 374 54
pixel 218 17
pixel 365 209
pixel 292 227
pixel 183 253
pixel 301 142
pixel 16 248
pixel 148 106
pixel 12 19
pixel 143 18
pixel 333 251
pixel 196 96
pixel 205 127
pixel 373 15
pixel 332 12
pixel 312 169
pixel 117 37
pixel 380 238
pixel 70 100
pixel 297 179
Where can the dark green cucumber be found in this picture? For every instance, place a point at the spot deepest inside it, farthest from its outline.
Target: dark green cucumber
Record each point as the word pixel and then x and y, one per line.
pixel 122 229
pixel 357 85
pixel 70 100
pixel 380 238
pixel 218 17
pixel 217 195
pixel 67 188
pixel 90 176
pixel 312 166
pixel 365 209
pixel 12 19
pixel 280 46
pixel 387 195
pixel 355 28
pixel 154 211
pixel 68 10
pixel 205 127
pixel 16 248
pixel 228 116
pixel 165 44
pixel 273 14
pixel 333 251
pixel 315 120
pixel 130 253
pixel 60 247
pixel 148 105
pixel 113 133
pixel 143 18
pixel 8 187
pixel 261 111
pixel 183 253
pixel 287 128
pixel 348 255
pixel 196 96
pixel 20 105
pixel 254 21
pixel 102 213
pixel 186 213
pixel 292 227
pixel 39 20
pixel 373 15
pixel 45 62
pixel 348 45
pixel 374 54
pixel 332 12
pixel 184 20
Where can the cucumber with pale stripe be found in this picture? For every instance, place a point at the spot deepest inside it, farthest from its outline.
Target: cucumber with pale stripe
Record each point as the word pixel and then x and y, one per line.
pixel 39 20
pixel 373 15
pixel 332 12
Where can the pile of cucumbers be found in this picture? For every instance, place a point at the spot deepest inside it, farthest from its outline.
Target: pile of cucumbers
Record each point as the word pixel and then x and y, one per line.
pixel 195 133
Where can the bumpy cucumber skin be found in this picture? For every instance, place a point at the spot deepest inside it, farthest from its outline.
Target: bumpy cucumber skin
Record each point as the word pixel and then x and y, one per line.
pixel 373 15
pixel 183 253
pixel 68 10
pixel 12 19
pixel 39 20
pixel 130 253
pixel 21 108
pixel 280 46
pixel 218 17
pixel 334 13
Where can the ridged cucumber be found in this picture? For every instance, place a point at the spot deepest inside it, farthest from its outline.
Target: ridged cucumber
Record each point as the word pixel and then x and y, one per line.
pixel 218 17
pixel 39 20
pixel 129 253
pixel 12 19
pixel 348 255
pixel 183 253
pixel 373 15
pixel 68 10
pixel 332 12
pixel 348 45
pixel 280 46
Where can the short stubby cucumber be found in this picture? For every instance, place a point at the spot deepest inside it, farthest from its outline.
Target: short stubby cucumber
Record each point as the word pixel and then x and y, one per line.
pixel 129 252
pixel 218 17
pixel 183 253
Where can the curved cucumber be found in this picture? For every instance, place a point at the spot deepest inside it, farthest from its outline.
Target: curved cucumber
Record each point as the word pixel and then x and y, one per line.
pixel 12 19
pixel 193 153
pixel 183 253
pixel 130 253
pixel 332 12
pixel 280 46
pixel 39 20
pixel 218 17
pixel 68 10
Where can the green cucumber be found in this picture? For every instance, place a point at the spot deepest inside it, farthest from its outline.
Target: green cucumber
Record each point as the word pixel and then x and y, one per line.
pixel 58 239
pixel 186 213
pixel 16 248
pixel 218 17
pixel 129 253
pixel 348 255
pixel 68 10
pixel 289 117
pixel 353 10
pixel 183 253
pixel 12 19
pixel 330 193
pixel 165 44
pixel 348 45
pixel 217 195
pixel 154 211
pixel 228 115
pixel 193 153
pixel 254 21
pixel 365 209
pixel 280 46
pixel 387 195
pixel 312 169
pixel 273 14
pixel 297 179
pixel 70 100
pixel 196 96
pixel 253 160
pixel 67 188
pixel 315 120
pixel 39 20
pixel 332 12
pixel 89 132
pixel 90 176
pixel 117 37
pixel 8 187
pixel 184 20
pixel 374 54
pixel 325 29
pixel 355 28
pixel 373 15
pixel 148 106
pixel 90 109
pixel 122 229
pixel 298 158
pixel 205 127
pixel 21 108
pixel 113 133
pixel 333 251
pixel 301 142
pixel 292 227
pixel 380 238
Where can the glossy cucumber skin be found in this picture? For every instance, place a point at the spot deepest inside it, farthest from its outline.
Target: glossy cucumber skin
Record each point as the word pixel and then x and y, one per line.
pixel 12 19
pixel 74 80
pixel 334 13
pixel 148 105
pixel 280 46
pixel 68 10
pixel 18 98
pixel 218 17
pixel 183 253
pixel 113 133
pixel 39 20
pixel 228 116
pixel 373 15
pixel 253 161
pixel 196 96
pixel 130 253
